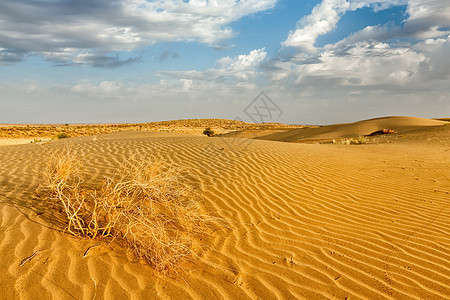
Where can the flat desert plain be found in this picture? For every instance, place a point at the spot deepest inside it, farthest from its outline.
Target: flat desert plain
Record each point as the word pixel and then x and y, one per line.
pixel 303 219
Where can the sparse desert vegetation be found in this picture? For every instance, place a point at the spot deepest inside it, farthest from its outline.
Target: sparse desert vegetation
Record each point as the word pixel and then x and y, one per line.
pixel 145 204
pixel 62 135
pixel 208 131
pixel 359 141
pixel 351 141
pixel 192 126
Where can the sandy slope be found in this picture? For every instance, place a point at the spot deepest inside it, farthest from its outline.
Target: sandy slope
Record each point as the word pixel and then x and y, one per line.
pixel 307 222
pixel 351 130
pixel 4 142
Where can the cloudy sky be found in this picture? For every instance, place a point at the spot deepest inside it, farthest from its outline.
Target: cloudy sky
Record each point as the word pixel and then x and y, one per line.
pixel 72 61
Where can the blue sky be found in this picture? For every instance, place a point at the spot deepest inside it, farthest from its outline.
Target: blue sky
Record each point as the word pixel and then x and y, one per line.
pixel 72 61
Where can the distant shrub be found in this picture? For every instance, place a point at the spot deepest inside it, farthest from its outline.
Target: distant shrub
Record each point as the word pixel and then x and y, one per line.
pixel 208 131
pixel 359 141
pixel 350 141
pixel 62 135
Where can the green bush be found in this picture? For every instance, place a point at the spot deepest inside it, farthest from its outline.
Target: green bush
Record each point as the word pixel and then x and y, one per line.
pixel 208 131
pixel 62 135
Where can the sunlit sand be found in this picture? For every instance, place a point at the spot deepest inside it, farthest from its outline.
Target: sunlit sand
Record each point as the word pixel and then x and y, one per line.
pixel 306 217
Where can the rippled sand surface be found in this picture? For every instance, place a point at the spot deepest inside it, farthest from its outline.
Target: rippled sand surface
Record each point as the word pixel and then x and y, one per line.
pixel 305 222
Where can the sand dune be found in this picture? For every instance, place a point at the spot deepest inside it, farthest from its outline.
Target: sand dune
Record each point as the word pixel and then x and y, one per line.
pixel 351 130
pixel 17 141
pixel 306 221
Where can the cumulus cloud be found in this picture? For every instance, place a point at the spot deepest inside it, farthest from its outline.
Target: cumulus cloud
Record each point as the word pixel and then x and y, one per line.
pixel 242 66
pixel 365 64
pixel 240 69
pixel 378 33
pixel 377 5
pixel 427 19
pixel 368 57
pixel 62 29
pixel 324 19
pixel 437 66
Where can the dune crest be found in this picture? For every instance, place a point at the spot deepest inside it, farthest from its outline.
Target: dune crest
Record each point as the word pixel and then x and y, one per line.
pixel 356 129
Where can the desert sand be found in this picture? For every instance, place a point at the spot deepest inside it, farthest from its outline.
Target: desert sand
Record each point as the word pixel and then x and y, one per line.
pixel 339 131
pixel 15 141
pixel 305 221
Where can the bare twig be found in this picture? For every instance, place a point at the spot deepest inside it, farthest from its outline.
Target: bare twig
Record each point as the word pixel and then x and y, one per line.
pixel 86 252
pixel 25 260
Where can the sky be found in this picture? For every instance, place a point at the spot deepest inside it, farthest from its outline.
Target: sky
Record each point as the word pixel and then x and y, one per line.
pixel 290 61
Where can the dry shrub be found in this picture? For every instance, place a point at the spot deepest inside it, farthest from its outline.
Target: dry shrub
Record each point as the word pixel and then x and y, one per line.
pixel 61 177
pixel 146 204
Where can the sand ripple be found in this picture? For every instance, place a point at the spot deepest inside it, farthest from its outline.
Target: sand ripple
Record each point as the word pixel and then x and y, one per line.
pixel 306 222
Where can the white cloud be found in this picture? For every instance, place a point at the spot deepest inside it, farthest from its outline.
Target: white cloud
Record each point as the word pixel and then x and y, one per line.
pixel 377 5
pixel 103 89
pixel 243 66
pixel 363 64
pixel 428 19
pixel 368 58
pixel 66 30
pixel 187 83
pixel 235 70
pixel 324 17
pixel 377 33
pixel 437 66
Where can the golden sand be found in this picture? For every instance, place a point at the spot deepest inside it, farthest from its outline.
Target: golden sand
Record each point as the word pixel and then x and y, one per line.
pixel 306 221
